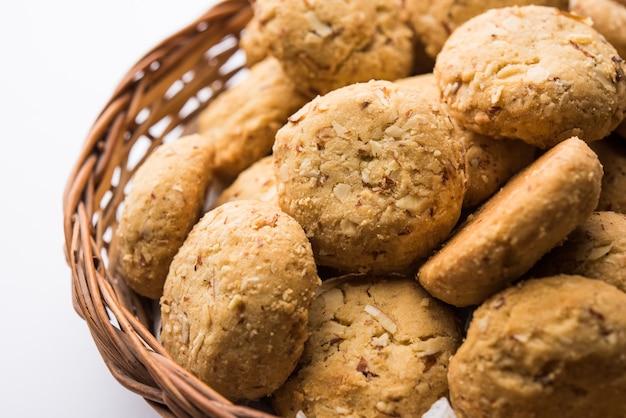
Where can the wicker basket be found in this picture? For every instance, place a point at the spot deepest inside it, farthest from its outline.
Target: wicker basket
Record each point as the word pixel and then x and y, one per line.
pixel 154 103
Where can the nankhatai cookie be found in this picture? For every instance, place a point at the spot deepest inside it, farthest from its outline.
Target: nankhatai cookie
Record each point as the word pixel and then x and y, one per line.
pixel 434 20
pixel 608 17
pixel 166 197
pixel 379 346
pixel 236 300
pixel 243 120
pixel 548 347
pixel 595 249
pixel 529 216
pixel 533 73
pixel 489 163
pixel 256 182
pixel 326 45
pixel 612 154
pixel 372 174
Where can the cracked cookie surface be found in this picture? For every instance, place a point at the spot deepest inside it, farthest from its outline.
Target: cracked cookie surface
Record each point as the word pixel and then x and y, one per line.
pixel 372 174
pixel 235 303
pixel 533 73
pixel 379 346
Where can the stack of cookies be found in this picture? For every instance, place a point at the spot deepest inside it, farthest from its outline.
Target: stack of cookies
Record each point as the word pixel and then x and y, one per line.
pixel 402 202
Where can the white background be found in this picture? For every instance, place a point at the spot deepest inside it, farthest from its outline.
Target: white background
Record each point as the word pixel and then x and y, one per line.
pixel 59 63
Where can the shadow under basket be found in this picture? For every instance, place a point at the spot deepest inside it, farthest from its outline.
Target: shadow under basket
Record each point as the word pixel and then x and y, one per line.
pixel 154 103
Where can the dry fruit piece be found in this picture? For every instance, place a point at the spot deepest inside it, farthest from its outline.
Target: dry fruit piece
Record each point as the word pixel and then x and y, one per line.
pixel 595 249
pixel 489 162
pixel 529 216
pixel 379 346
pixel 546 348
pixel 325 45
pixel 532 73
pixel 243 120
pixel 236 300
pixel 372 174
pixel 434 20
pixel 165 200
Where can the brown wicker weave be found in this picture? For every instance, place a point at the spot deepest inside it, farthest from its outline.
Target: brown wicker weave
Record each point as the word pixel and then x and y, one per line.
pixel 152 104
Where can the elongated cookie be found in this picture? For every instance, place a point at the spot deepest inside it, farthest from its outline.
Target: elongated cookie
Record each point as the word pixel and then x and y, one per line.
pixel 533 73
pixel 379 346
pixel 165 200
pixel 243 120
pixel 435 20
pixel 546 348
pixel 595 249
pixel 236 299
pixel 326 45
pixel 530 215
pixel 372 174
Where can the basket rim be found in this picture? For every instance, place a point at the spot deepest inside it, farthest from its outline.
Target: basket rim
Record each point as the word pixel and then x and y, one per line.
pixel 129 349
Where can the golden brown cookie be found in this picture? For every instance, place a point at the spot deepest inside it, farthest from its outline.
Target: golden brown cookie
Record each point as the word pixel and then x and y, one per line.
pixel 489 163
pixel 609 18
pixel 256 182
pixel 612 154
pixel 595 249
pixel 530 215
pixel 165 200
pixel 550 347
pixel 379 347
pixel 243 120
pixel 326 45
pixel 435 20
pixel 371 173
pixel 236 300
pixel 533 73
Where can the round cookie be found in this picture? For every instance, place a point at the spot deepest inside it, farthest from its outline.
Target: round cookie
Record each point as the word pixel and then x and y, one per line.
pixel 379 346
pixel 529 216
pixel 533 73
pixel 243 120
pixel 609 18
pixel 256 182
pixel 165 200
pixel 612 154
pixel 371 173
pixel 489 163
pixel 236 300
pixel 326 45
pixel 546 348
pixel 434 20
pixel 595 249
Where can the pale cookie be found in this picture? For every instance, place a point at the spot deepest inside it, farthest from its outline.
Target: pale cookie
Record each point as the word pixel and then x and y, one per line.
pixel 530 215
pixel 236 300
pixel 489 163
pixel 434 20
pixel 609 18
pixel 256 182
pixel 326 45
pixel 371 173
pixel 595 249
pixel 532 73
pixel 165 200
pixel 550 347
pixel 379 347
pixel 243 120
pixel 612 154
